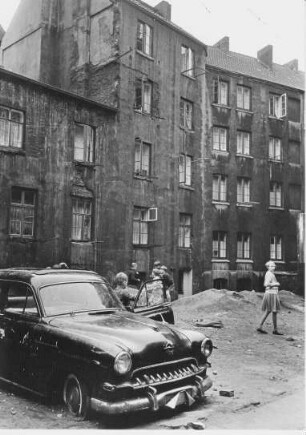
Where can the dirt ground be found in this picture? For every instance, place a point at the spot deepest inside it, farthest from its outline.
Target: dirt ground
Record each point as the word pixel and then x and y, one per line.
pixel 265 372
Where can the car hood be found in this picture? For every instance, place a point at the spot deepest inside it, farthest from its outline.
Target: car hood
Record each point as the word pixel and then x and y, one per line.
pixel 144 338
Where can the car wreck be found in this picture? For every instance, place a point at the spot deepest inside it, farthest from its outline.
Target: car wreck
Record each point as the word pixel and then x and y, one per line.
pixel 65 333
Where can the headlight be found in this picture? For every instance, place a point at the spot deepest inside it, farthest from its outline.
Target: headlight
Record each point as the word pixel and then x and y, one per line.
pixel 206 347
pixel 123 363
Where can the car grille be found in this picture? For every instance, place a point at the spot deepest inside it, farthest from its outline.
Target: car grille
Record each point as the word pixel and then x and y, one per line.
pixel 167 372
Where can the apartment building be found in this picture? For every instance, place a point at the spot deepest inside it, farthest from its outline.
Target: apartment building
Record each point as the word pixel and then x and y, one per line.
pixel 254 169
pixel 127 55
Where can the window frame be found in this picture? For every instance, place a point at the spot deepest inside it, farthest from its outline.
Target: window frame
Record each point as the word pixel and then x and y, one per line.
pixel 141 168
pixel 220 142
pixel 243 190
pixel 295 196
pixel 143 96
pixel 141 237
pixel 217 247
pixel 243 144
pixel 276 194
pixel 273 143
pixel 8 130
pixel 244 246
pixel 220 96
pixel 220 188
pixel 76 215
pixel 185 170
pixel 23 208
pixel 88 142
pixel 297 145
pixel 186 114
pixel 246 101
pixel 277 105
pixel 277 247
pixel 144 38
pixel 187 61
pixel 185 230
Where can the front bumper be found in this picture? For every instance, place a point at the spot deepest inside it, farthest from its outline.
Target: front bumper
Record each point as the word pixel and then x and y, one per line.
pixel 152 400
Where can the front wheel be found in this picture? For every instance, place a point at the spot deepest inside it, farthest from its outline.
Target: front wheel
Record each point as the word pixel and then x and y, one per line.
pixel 75 395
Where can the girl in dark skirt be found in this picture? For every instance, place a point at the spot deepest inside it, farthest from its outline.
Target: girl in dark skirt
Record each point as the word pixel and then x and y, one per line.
pixel 270 301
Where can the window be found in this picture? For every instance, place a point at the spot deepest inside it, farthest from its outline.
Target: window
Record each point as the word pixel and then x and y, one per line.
pixel 295 196
pixel 185 231
pixel 143 96
pixel 219 244
pixel 141 219
pixel 275 149
pixel 220 92
pixel 294 152
pixel 142 158
pixel 243 143
pixel 186 114
pixel 294 110
pixel 276 248
pixel 185 169
pixel 220 138
pixel 81 218
pixel 84 143
pixel 11 127
pixel 243 189
pixel 244 246
pixel 275 194
pixel 243 97
pixel 187 61
pixel 219 187
pixel 278 105
pixel 144 38
pixel 22 212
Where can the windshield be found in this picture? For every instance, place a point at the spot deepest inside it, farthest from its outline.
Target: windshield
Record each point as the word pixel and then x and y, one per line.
pixel 73 297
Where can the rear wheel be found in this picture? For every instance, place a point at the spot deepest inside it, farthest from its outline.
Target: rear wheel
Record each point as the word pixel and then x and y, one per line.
pixel 75 395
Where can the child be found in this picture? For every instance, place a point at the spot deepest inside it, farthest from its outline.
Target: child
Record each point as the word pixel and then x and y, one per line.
pixel 271 302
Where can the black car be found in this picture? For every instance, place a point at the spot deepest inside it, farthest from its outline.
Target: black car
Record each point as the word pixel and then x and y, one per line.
pixel 65 331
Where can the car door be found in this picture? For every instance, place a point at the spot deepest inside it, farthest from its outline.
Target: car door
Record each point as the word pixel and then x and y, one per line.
pixel 153 300
pixel 19 316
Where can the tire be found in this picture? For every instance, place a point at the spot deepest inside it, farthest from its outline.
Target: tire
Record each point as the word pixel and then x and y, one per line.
pixel 75 396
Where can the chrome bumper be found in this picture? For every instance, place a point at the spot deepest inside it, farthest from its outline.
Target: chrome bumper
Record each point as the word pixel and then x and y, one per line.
pixel 153 400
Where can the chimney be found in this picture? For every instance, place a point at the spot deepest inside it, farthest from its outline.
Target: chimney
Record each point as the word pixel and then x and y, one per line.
pixel 223 44
pixel 293 64
pixel 164 9
pixel 265 55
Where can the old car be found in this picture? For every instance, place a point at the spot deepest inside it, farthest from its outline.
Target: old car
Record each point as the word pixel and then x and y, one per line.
pixel 66 332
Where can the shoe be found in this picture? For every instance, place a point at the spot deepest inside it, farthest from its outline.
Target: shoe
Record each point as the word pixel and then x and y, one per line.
pixel 261 331
pixel 277 333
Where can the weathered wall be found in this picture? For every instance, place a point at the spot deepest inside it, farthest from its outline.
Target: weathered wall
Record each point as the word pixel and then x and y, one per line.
pixel 45 164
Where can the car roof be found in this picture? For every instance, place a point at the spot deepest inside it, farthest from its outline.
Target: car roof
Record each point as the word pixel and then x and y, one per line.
pixel 46 275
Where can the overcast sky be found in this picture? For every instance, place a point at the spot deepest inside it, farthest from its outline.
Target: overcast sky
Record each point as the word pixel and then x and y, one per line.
pixel 250 24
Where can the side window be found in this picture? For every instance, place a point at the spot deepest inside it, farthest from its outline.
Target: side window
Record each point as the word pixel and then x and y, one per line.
pixel 151 294
pixel 17 297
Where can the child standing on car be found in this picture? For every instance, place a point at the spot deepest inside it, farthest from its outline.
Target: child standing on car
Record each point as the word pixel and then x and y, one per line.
pixel 271 302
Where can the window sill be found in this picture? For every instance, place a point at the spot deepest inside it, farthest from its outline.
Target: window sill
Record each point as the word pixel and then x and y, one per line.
pixel 185 248
pixel 142 112
pixel 275 117
pixel 220 152
pixel 81 163
pixel 244 260
pixel 222 106
pixel 147 56
pixel 143 177
pixel 240 109
pixel 295 165
pixel 278 262
pixel 82 241
pixel 247 156
pixel 225 203
pixel 21 238
pixel 271 207
pixel 185 187
pixel 244 205
pixel 275 160
pixel 220 260
pixel 295 210
pixel 187 130
pixel 12 150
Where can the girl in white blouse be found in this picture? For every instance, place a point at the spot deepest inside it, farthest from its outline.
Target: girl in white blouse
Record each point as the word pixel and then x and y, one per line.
pixel 271 302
